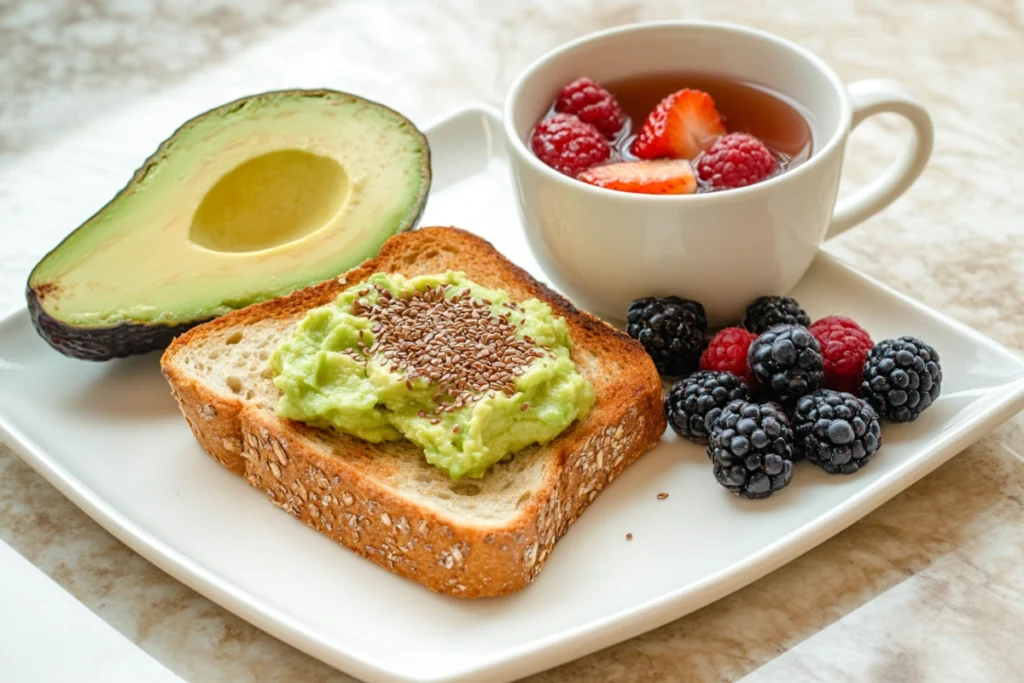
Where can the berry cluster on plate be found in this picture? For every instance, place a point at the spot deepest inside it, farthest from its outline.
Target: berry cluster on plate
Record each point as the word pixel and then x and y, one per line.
pixel 683 146
pixel 781 388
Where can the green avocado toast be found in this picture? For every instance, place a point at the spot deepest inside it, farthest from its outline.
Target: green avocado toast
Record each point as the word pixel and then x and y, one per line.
pixel 484 533
pixel 249 201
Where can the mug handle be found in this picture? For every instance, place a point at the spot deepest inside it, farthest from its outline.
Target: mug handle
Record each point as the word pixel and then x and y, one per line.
pixel 876 96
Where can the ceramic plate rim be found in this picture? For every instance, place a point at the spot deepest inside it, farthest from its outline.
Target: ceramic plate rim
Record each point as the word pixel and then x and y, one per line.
pixel 1003 402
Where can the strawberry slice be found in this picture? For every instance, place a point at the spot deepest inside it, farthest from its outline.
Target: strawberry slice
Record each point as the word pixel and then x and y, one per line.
pixel 664 176
pixel 683 125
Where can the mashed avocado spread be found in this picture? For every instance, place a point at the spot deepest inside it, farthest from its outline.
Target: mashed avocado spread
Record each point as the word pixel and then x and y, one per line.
pixel 456 368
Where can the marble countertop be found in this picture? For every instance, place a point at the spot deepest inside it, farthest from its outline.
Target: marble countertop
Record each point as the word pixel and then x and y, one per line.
pixel 930 587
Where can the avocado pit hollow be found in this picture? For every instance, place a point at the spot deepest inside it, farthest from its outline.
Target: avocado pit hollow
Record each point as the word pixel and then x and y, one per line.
pixel 270 200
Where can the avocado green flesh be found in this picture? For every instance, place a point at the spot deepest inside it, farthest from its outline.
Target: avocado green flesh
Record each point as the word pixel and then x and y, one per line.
pixel 249 201
pixel 325 387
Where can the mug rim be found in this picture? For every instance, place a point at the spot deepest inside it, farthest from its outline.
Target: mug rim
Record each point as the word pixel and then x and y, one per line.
pixel 836 139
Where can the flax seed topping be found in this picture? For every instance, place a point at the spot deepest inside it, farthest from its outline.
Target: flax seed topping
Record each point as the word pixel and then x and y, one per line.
pixel 454 341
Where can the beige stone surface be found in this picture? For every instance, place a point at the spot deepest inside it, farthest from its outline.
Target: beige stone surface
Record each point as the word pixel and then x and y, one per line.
pixel 928 587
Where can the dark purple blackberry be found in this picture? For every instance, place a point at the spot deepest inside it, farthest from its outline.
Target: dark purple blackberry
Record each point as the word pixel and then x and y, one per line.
pixel 693 404
pixel 673 330
pixel 902 377
pixel 751 448
pixel 769 311
pixel 836 431
pixel 787 363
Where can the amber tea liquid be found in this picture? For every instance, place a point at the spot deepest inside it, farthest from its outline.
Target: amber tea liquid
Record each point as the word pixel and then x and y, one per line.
pixel 778 121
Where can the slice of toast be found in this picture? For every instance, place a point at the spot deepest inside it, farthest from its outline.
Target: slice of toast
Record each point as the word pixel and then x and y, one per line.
pixel 470 538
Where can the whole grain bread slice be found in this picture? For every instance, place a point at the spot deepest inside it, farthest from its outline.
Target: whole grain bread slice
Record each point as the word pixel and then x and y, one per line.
pixel 471 538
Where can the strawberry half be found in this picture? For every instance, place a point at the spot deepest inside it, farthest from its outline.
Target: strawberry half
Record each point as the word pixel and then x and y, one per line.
pixel 665 176
pixel 683 125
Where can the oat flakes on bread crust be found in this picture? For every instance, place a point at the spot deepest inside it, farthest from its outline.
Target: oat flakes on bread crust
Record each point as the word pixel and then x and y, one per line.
pixel 472 538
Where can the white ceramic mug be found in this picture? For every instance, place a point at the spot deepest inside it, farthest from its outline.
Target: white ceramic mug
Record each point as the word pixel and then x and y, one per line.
pixel 604 248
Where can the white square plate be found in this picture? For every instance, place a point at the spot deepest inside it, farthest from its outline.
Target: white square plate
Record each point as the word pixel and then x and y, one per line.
pixel 110 437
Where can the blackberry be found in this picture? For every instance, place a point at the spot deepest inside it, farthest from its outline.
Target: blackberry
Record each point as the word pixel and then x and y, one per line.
pixel 673 330
pixel 751 448
pixel 902 377
pixel 693 404
pixel 836 431
pixel 787 363
pixel 768 311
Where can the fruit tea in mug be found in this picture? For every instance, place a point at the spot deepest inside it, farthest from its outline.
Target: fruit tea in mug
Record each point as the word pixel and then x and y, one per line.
pixel 672 133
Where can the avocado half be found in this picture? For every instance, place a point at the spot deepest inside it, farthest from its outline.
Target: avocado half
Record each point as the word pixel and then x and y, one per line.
pixel 251 200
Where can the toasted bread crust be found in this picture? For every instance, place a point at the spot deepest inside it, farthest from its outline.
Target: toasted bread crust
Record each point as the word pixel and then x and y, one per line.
pixel 336 497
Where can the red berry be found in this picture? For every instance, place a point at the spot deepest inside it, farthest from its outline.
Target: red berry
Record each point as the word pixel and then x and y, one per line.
pixel 845 346
pixel 728 352
pixel 662 176
pixel 736 160
pixel 591 103
pixel 682 126
pixel 569 145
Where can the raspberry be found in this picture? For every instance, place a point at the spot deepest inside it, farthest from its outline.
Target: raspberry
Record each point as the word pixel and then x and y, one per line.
pixel 736 160
pixel 592 104
pixel 569 145
pixel 845 346
pixel 727 352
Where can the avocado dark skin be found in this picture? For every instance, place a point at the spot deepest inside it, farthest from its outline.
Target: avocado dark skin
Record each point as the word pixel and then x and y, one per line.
pixel 101 343
pixel 127 337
